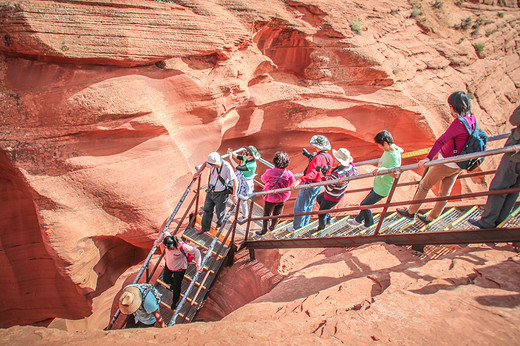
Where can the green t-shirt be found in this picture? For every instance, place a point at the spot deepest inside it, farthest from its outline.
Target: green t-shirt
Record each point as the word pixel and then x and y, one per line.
pixel 250 165
pixel 389 159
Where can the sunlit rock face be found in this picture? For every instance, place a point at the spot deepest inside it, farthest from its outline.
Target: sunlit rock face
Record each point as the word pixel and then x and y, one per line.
pixel 107 106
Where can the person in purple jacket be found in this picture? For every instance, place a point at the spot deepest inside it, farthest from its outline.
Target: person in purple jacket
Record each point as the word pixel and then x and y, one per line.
pixel 445 174
pixel 276 178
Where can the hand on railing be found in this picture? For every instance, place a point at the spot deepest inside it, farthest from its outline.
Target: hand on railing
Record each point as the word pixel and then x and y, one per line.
pixel 296 183
pixel 199 268
pixel 421 163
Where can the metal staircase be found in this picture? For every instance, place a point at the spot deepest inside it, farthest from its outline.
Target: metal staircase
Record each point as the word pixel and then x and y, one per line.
pixel 219 244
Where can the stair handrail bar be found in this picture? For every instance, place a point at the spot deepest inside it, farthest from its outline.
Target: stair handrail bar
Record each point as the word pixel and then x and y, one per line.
pixel 154 247
pixel 204 260
pixel 215 259
pixel 395 204
pixel 416 152
pixel 399 169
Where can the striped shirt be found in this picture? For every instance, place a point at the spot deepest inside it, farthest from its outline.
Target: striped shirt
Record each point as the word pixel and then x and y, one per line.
pixel 335 192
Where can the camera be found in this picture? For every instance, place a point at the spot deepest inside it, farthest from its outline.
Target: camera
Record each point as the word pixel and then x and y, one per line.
pixel 308 155
pixel 323 170
pixel 210 188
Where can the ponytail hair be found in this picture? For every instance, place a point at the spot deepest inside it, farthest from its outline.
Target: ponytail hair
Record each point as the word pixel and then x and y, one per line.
pixel 460 103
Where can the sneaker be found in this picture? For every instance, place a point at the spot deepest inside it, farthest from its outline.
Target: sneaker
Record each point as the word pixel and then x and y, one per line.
pixel 241 219
pixel 424 219
pixel 404 212
pixel 199 232
pixel 353 222
pixel 260 233
pixel 290 229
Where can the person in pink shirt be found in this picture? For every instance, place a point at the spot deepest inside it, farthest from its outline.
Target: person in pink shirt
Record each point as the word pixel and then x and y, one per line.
pixel 176 260
pixel 278 177
pixel 446 174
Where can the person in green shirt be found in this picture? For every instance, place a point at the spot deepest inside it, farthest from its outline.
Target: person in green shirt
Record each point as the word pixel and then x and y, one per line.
pixel 246 172
pixel 382 183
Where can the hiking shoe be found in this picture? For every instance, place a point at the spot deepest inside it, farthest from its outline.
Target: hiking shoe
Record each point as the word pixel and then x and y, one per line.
pixel 424 219
pixel 404 212
pixel 353 222
pixel 475 223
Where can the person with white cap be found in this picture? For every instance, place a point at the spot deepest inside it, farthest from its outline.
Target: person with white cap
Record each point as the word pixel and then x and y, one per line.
pixel 219 188
pixel 319 167
pixel 142 300
pixel 334 193
pixel 507 176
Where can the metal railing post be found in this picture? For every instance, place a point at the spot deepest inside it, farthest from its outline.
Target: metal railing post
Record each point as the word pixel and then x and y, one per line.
pixel 248 225
pixel 388 201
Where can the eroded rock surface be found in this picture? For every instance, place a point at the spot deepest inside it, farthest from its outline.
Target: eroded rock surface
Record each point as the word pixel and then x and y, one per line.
pixel 377 293
pixel 107 106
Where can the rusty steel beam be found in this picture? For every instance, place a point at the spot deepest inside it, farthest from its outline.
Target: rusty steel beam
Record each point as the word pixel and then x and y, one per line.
pixel 468 236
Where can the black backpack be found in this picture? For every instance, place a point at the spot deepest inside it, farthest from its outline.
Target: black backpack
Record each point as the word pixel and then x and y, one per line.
pixel 477 141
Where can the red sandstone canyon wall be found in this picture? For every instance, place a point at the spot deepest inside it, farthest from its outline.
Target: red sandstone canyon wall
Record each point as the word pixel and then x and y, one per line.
pixel 107 106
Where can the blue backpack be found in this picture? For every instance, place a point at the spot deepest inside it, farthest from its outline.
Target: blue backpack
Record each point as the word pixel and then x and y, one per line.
pixel 477 141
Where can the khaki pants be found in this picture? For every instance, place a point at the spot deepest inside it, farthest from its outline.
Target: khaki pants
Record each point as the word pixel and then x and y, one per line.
pixel 440 173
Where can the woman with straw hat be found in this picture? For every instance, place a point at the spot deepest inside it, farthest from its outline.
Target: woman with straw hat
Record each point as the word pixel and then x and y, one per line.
pixel 141 300
pixel 334 193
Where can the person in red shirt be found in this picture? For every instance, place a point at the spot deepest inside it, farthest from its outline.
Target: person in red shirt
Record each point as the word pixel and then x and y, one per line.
pixel 319 167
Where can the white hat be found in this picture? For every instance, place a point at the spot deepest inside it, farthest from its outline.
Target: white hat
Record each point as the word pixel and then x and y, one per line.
pixel 343 156
pixel 214 158
pixel 130 300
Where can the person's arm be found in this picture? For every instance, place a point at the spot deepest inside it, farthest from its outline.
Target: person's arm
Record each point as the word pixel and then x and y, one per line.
pixel 312 173
pixel 448 135
pixel 235 190
pixel 196 255
pixel 163 235
pixel 159 318
pixel 197 174
pixel 231 156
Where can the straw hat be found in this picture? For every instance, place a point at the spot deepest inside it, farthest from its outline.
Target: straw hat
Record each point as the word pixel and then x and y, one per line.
pixel 130 300
pixel 343 156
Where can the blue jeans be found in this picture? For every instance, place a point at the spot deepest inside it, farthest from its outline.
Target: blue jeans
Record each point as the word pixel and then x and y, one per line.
pixel 324 205
pixel 371 198
pixel 304 203
pixel 214 201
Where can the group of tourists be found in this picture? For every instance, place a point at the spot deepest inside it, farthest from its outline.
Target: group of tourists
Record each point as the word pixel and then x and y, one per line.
pixel 142 299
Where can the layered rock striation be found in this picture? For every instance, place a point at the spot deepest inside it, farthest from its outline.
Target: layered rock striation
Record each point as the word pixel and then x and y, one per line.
pixel 107 106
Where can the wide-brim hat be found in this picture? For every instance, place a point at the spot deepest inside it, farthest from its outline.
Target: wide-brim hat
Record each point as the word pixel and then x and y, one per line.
pixel 214 158
pixel 321 142
pixel 130 300
pixel 343 156
pixel 252 150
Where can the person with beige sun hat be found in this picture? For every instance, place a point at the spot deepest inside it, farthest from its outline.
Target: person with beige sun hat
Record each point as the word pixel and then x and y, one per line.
pixel 142 300
pixel 335 192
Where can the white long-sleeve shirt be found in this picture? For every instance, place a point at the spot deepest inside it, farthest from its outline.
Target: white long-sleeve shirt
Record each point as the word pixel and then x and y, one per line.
pixel 175 260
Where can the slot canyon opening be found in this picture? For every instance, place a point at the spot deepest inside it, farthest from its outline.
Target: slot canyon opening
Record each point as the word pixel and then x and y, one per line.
pixel 242 283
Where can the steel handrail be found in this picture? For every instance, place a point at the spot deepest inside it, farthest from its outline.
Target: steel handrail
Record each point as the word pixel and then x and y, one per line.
pixel 154 247
pixel 422 151
pixel 399 169
pixel 196 276
pixel 394 204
